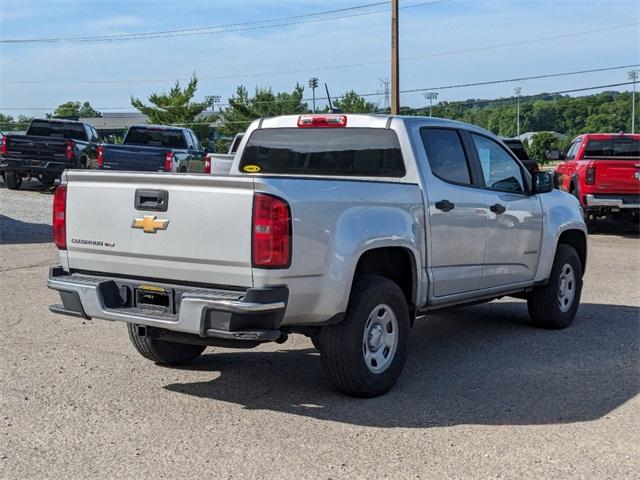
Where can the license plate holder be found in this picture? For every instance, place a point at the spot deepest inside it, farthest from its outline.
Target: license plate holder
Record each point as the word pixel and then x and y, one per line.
pixel 158 299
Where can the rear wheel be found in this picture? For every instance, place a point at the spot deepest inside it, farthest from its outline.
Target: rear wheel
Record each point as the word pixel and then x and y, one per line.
pixel 555 304
pixel 364 354
pixel 13 179
pixel 162 351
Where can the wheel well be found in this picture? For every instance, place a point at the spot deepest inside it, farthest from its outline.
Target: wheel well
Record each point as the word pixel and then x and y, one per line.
pixel 395 263
pixel 578 240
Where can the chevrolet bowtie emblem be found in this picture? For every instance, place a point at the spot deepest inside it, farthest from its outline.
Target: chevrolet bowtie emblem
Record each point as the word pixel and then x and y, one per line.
pixel 149 224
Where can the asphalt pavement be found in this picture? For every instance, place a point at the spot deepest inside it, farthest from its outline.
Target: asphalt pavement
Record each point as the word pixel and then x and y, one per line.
pixel 483 395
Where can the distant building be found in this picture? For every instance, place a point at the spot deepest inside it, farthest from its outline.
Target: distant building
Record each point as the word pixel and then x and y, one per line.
pixel 528 136
pixel 115 123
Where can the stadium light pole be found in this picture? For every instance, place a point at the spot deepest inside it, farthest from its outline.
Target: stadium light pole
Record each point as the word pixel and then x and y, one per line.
pixel 518 91
pixel 313 84
pixel 633 76
pixel 431 96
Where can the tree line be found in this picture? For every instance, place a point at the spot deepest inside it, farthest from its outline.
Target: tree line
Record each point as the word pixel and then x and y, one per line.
pixel 602 112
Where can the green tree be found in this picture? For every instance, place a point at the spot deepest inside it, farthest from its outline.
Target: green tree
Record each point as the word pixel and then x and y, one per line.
pixel 540 144
pixel 244 108
pixel 351 102
pixel 75 109
pixel 10 124
pixel 175 106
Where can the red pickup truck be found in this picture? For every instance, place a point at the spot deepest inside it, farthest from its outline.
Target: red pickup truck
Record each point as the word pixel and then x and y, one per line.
pixel 603 171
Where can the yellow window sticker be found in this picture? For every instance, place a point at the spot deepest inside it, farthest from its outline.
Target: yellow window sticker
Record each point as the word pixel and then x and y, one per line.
pixel 251 168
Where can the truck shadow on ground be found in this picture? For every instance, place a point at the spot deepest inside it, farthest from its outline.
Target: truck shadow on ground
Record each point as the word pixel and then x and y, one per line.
pixel 617 227
pixel 474 365
pixel 13 231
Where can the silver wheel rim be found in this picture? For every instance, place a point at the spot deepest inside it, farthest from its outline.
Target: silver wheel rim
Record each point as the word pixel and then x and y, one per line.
pixel 380 338
pixel 566 287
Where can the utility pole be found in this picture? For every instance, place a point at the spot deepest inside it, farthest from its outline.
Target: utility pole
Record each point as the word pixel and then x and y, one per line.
pixel 431 96
pixel 633 76
pixel 395 63
pixel 518 91
pixel 384 82
pixel 313 84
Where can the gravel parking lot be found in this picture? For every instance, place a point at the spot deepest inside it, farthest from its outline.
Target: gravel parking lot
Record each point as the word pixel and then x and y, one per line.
pixel 482 395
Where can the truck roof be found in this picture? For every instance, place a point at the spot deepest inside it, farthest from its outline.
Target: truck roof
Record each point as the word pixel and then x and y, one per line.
pixel 58 120
pixel 159 127
pixel 359 120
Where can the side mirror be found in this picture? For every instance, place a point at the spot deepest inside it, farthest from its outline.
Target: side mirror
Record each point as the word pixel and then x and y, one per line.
pixel 542 182
pixel 553 155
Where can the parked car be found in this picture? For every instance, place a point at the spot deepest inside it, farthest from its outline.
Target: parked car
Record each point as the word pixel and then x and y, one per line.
pixel 602 170
pixel 344 228
pixel 47 148
pixel 153 148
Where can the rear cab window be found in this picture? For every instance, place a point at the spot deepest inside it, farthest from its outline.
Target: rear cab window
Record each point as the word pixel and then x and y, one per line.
pixel 155 137
pixel 365 152
pixel 620 147
pixel 69 131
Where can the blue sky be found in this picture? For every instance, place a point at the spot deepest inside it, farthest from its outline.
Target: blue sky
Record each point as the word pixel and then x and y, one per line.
pixel 145 66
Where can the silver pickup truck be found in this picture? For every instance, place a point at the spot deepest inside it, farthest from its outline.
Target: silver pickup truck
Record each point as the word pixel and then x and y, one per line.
pixel 344 228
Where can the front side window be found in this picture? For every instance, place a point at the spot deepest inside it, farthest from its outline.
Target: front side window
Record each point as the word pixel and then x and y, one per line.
pixel 446 155
pixel 367 152
pixel 500 170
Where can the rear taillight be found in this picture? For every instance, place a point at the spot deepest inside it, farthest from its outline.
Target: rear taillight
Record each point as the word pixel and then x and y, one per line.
pixel 168 161
pixel 70 147
pixel 59 217
pixel 591 176
pixel 271 229
pixel 100 156
pixel 322 121
pixel 207 164
pixel 3 147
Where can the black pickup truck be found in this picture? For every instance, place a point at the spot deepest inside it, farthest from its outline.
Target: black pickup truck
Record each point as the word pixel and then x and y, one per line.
pixel 153 148
pixel 47 148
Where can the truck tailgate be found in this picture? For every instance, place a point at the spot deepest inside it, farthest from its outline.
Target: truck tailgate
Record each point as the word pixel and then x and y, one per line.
pixel 617 175
pixel 133 157
pixel 207 238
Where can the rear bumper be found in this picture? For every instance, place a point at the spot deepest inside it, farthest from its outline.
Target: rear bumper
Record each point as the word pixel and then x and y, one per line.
pixel 28 166
pixel 612 201
pixel 251 315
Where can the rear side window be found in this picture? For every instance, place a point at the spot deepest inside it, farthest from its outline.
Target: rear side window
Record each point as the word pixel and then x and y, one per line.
pixel 446 155
pixel 364 152
pixel 155 137
pixel 70 131
pixel 613 147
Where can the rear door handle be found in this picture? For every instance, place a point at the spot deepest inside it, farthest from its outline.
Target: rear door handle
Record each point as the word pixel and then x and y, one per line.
pixel 445 205
pixel 497 208
pixel 151 200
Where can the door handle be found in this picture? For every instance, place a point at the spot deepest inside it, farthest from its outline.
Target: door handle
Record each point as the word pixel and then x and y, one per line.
pixel 497 208
pixel 445 205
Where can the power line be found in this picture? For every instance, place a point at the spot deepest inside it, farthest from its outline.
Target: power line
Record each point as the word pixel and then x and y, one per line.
pixel 330 67
pixel 227 28
pixel 412 90
pixel 410 109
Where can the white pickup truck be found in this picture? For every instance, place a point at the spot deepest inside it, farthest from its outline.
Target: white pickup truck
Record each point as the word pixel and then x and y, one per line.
pixel 344 228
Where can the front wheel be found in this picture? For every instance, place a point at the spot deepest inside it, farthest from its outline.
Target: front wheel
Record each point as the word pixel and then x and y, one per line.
pixel 364 354
pixel 162 351
pixel 555 304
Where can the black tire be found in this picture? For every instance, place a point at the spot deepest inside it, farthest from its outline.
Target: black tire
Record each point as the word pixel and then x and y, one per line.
pixel 48 179
pixel 544 302
pixel 342 346
pixel 162 351
pixel 13 179
pixel 315 339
